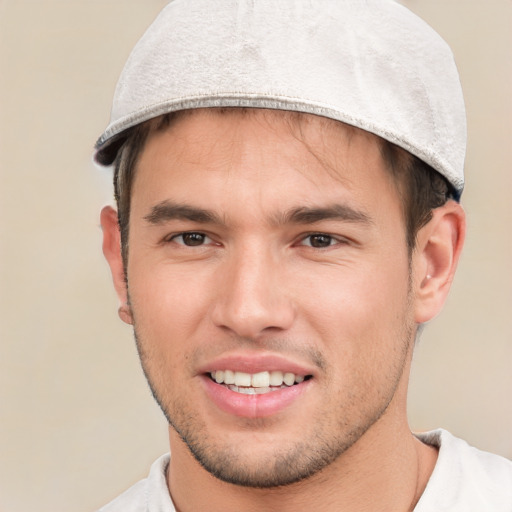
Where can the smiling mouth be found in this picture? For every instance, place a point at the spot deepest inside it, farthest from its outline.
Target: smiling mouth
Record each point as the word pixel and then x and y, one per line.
pixel 256 383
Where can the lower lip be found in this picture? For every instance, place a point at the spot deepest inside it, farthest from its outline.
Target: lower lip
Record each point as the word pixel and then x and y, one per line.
pixel 252 406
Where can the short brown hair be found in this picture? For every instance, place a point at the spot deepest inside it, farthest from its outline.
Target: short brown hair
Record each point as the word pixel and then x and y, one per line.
pixel 421 188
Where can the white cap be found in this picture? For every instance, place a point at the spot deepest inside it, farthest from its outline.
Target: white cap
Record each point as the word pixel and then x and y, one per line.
pixel 369 63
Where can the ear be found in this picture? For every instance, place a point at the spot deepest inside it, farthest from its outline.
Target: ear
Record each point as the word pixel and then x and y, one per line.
pixel 438 247
pixel 112 253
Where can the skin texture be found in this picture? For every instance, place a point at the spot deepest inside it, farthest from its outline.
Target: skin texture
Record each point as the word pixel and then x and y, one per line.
pixel 257 281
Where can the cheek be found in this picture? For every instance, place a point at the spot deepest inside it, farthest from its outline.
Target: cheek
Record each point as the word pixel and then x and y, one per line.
pixel 360 311
pixel 356 291
pixel 168 310
pixel 167 302
pixel 363 327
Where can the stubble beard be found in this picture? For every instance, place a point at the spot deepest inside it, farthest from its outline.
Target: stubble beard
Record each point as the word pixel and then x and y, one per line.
pixel 282 466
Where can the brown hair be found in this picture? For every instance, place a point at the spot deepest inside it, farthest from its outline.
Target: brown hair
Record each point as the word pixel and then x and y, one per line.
pixel 421 188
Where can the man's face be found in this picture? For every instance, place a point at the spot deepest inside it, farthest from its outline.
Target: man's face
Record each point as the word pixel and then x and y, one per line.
pixel 267 244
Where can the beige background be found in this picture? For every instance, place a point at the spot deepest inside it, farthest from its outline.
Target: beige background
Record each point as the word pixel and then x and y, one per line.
pixel 77 423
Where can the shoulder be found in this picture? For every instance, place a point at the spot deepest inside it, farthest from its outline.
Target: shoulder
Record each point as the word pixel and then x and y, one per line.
pixel 132 500
pixel 465 478
pixel 147 495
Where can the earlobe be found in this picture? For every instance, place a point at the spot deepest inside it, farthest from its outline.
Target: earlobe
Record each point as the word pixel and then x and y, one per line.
pixel 438 248
pixel 113 255
pixel 125 314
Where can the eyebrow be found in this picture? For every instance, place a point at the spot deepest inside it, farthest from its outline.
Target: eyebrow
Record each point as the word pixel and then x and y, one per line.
pixel 168 210
pixel 310 215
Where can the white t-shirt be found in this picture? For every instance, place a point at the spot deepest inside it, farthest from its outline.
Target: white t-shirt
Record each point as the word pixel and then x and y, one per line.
pixel 464 480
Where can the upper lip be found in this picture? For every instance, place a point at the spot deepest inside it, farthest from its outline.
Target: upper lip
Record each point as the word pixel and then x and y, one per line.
pixel 255 363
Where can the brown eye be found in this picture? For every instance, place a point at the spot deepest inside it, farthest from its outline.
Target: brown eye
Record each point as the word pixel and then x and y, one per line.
pixel 190 239
pixel 319 241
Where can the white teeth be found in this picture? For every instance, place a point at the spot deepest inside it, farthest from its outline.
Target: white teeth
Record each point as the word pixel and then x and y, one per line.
pixel 289 379
pixel 256 383
pixel 260 380
pixel 276 378
pixel 242 379
pixel 229 377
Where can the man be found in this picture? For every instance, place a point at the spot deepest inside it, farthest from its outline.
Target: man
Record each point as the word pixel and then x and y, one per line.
pixel 287 176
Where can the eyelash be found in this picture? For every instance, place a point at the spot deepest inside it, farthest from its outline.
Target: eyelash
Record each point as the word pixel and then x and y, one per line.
pixel 331 239
pixel 189 233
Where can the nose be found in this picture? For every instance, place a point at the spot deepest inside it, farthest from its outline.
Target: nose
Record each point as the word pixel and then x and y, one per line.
pixel 253 298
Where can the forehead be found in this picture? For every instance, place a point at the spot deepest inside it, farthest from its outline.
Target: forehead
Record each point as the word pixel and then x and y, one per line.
pixel 272 160
pixel 315 145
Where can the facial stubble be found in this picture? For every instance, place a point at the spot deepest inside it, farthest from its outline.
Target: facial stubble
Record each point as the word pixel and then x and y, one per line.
pixel 282 466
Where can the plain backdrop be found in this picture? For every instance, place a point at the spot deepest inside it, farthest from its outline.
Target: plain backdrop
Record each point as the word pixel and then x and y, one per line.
pixel 77 422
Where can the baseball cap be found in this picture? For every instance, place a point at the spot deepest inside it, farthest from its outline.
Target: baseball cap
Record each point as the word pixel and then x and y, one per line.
pixel 372 64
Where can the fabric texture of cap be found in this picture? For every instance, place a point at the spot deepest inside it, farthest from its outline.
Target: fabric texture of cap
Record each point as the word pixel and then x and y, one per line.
pixel 369 63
